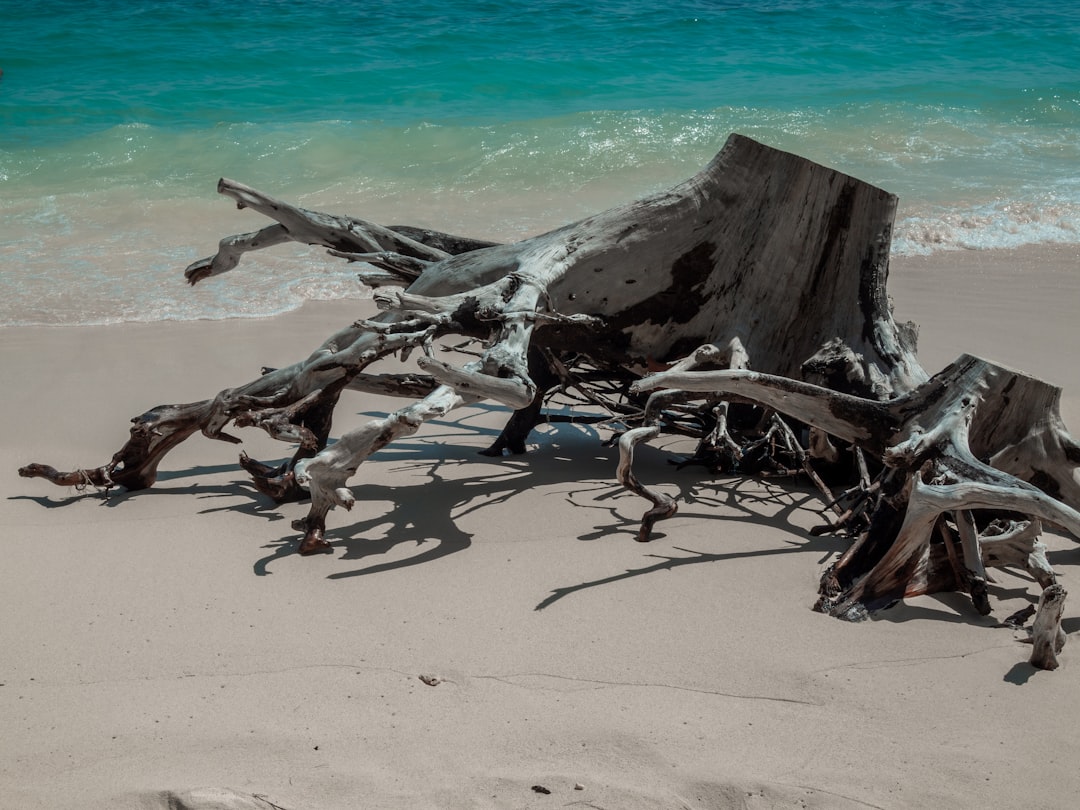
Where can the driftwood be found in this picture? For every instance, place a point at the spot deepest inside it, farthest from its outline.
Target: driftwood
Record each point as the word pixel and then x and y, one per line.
pixel 746 307
pixel 1047 637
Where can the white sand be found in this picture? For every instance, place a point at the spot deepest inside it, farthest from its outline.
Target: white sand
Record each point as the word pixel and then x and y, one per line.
pixel 169 640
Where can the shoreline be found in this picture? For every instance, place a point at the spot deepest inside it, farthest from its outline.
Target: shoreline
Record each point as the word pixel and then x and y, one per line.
pixel 170 640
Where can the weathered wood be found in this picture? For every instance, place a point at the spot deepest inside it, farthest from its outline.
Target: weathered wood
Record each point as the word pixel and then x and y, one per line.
pixel 740 307
pixel 1016 544
pixel 1047 637
pixel 931 437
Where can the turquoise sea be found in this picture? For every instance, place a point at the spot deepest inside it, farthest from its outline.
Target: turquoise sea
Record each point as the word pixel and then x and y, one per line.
pixel 496 120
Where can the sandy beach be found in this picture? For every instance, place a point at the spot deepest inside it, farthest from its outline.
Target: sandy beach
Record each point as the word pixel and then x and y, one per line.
pixel 169 641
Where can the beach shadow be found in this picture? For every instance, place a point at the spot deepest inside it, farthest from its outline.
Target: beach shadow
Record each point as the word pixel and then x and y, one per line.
pixel 1001 594
pixel 1065 557
pixel 955 608
pixel 425 514
pixel 52 502
pixel 1020 673
pixel 729 501
pixel 704 495
pixel 419 522
pixel 670 563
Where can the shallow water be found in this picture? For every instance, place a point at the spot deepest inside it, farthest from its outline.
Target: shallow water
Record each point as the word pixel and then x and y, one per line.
pixel 117 120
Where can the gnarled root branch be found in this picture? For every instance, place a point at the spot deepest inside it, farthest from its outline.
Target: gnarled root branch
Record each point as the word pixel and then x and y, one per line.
pixel 276 400
pixel 664 506
pixel 326 474
pixel 733 354
pixel 345 235
pixel 1016 544
pixel 153 435
pixel 931 439
pixel 99 478
pixel 517 429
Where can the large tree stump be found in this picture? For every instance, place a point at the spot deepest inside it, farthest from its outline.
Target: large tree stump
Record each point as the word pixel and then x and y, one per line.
pixel 750 300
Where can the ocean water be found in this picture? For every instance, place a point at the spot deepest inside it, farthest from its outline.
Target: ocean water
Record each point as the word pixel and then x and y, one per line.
pixel 496 120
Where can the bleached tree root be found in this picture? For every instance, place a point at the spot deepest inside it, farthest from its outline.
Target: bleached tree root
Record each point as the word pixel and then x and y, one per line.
pixel 1016 544
pixel 294 403
pixel 345 235
pixel 664 506
pixel 1047 637
pixel 762 257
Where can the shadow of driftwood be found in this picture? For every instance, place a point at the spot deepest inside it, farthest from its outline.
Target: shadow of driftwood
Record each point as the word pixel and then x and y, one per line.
pixel 952 607
pixel 425 514
pixel 570 458
pixel 1067 556
pixel 740 501
pixel 668 563
pixel 570 461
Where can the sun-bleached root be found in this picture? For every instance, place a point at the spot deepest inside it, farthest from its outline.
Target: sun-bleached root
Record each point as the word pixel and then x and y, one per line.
pixel 1047 637
pixel 664 506
pixel 718 441
pixel 293 403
